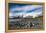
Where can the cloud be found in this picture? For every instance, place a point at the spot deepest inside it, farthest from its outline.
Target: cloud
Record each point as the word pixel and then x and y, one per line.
pixel 24 10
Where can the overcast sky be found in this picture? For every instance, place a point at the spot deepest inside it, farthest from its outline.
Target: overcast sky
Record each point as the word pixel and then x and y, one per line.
pixel 25 10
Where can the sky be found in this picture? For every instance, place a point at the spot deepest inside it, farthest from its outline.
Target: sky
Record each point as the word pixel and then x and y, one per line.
pixel 25 10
